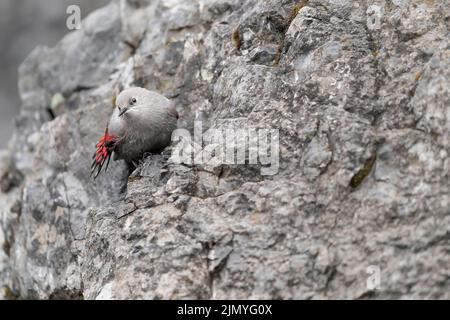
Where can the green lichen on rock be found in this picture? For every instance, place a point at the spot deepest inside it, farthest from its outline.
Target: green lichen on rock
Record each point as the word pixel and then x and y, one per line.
pixel 236 37
pixel 9 294
pixel 295 10
pixel 359 177
pixel 6 247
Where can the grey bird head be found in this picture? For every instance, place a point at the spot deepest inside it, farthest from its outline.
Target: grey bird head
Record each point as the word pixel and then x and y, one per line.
pixel 131 99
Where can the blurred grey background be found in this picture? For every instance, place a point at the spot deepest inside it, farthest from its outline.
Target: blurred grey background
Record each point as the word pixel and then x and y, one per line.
pixel 24 25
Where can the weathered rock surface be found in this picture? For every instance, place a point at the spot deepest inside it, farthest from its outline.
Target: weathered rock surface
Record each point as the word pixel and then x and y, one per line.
pixel 359 93
pixel 24 25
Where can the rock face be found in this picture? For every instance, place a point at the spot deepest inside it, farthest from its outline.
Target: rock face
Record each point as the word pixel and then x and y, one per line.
pixel 23 25
pixel 359 93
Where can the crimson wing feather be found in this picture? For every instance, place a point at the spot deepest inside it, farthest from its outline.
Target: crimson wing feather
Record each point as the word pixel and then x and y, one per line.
pixel 102 155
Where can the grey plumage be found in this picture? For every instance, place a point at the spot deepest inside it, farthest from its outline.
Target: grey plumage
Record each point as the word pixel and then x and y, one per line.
pixel 146 123
pixel 143 121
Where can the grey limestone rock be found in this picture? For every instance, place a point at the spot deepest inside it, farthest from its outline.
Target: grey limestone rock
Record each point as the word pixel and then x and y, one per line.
pixel 359 93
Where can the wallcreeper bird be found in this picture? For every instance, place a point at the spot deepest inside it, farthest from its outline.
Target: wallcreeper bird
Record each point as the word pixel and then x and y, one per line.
pixel 143 121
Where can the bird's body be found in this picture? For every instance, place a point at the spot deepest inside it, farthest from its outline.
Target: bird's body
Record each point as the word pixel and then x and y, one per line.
pixel 142 122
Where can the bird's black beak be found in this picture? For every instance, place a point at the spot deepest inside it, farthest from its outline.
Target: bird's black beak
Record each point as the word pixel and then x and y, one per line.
pixel 122 111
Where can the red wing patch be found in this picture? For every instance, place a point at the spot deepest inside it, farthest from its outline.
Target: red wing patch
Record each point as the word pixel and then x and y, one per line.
pixel 102 155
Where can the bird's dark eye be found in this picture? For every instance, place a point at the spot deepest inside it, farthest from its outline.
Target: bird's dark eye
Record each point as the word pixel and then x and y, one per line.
pixel 133 101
